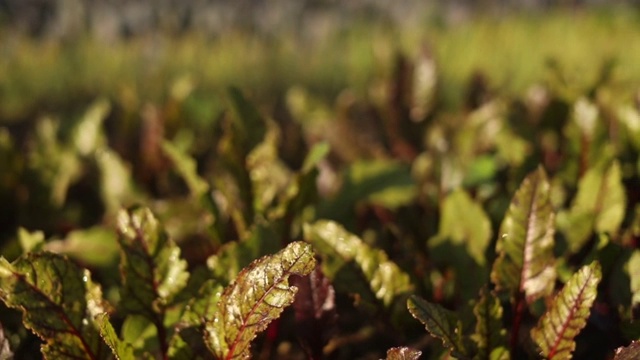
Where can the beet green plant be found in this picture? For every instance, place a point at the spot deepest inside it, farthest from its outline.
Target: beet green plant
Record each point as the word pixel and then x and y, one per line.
pixel 370 227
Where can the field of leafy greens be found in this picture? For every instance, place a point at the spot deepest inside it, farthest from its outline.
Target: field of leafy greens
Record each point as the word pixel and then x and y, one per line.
pixel 411 209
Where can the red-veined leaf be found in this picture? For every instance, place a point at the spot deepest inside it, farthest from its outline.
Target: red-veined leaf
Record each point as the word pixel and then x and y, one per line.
pixel 568 314
pixel 525 260
pixel 257 296
pixel 58 303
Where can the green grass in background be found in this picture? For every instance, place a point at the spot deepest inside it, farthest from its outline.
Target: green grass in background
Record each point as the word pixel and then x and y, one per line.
pixel 512 51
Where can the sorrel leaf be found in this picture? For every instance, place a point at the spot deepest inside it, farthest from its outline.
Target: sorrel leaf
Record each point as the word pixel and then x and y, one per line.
pixel 525 260
pixel 257 296
pixel 568 314
pixel 439 322
pixel 339 247
pixel 53 295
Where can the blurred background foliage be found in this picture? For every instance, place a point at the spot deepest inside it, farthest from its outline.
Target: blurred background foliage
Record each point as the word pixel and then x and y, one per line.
pixel 410 124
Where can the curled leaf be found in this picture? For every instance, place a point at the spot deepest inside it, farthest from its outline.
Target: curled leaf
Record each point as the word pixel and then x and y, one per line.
pixel 439 322
pixel 340 247
pixel 568 314
pixel 52 293
pixel 257 296
pixel 403 353
pixel 525 260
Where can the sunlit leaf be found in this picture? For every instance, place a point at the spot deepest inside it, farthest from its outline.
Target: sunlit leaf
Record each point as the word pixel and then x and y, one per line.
pixel 490 333
pixel 501 353
pixel 29 241
pixel 568 314
pixel 121 350
pixel 599 205
pixel 269 175
pixel 187 168
pixel 87 134
pixel 257 296
pixel 631 352
pixel 116 184
pixel 151 267
pixel 339 247
pixel 425 79
pixel 464 222
pixel 315 311
pixel 525 260
pixel 51 292
pixel 187 341
pixel 403 353
pixel 439 322
pixel 95 246
pixel 633 269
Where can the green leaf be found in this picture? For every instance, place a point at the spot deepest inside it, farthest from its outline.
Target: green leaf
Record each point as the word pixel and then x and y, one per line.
pixel 87 134
pixel 525 260
pixel 633 269
pixel 187 168
pixel 631 352
pixel 384 183
pixel 57 302
pixel 200 309
pixel 568 314
pixel 250 127
pixel 490 333
pixel 338 247
pixel 269 175
pixel 30 241
pixel 233 256
pixel 403 353
pixel 95 246
pixel 439 322
pixel 258 296
pixel 116 189
pixel 599 205
pixel 501 353
pixel 152 271
pixel 121 350
pixel 464 222
pixel 151 268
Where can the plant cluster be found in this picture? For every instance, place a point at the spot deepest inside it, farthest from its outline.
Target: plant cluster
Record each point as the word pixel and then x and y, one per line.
pixel 378 225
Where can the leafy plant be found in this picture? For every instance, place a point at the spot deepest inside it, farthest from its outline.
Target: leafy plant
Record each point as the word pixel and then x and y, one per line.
pixel 385 225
